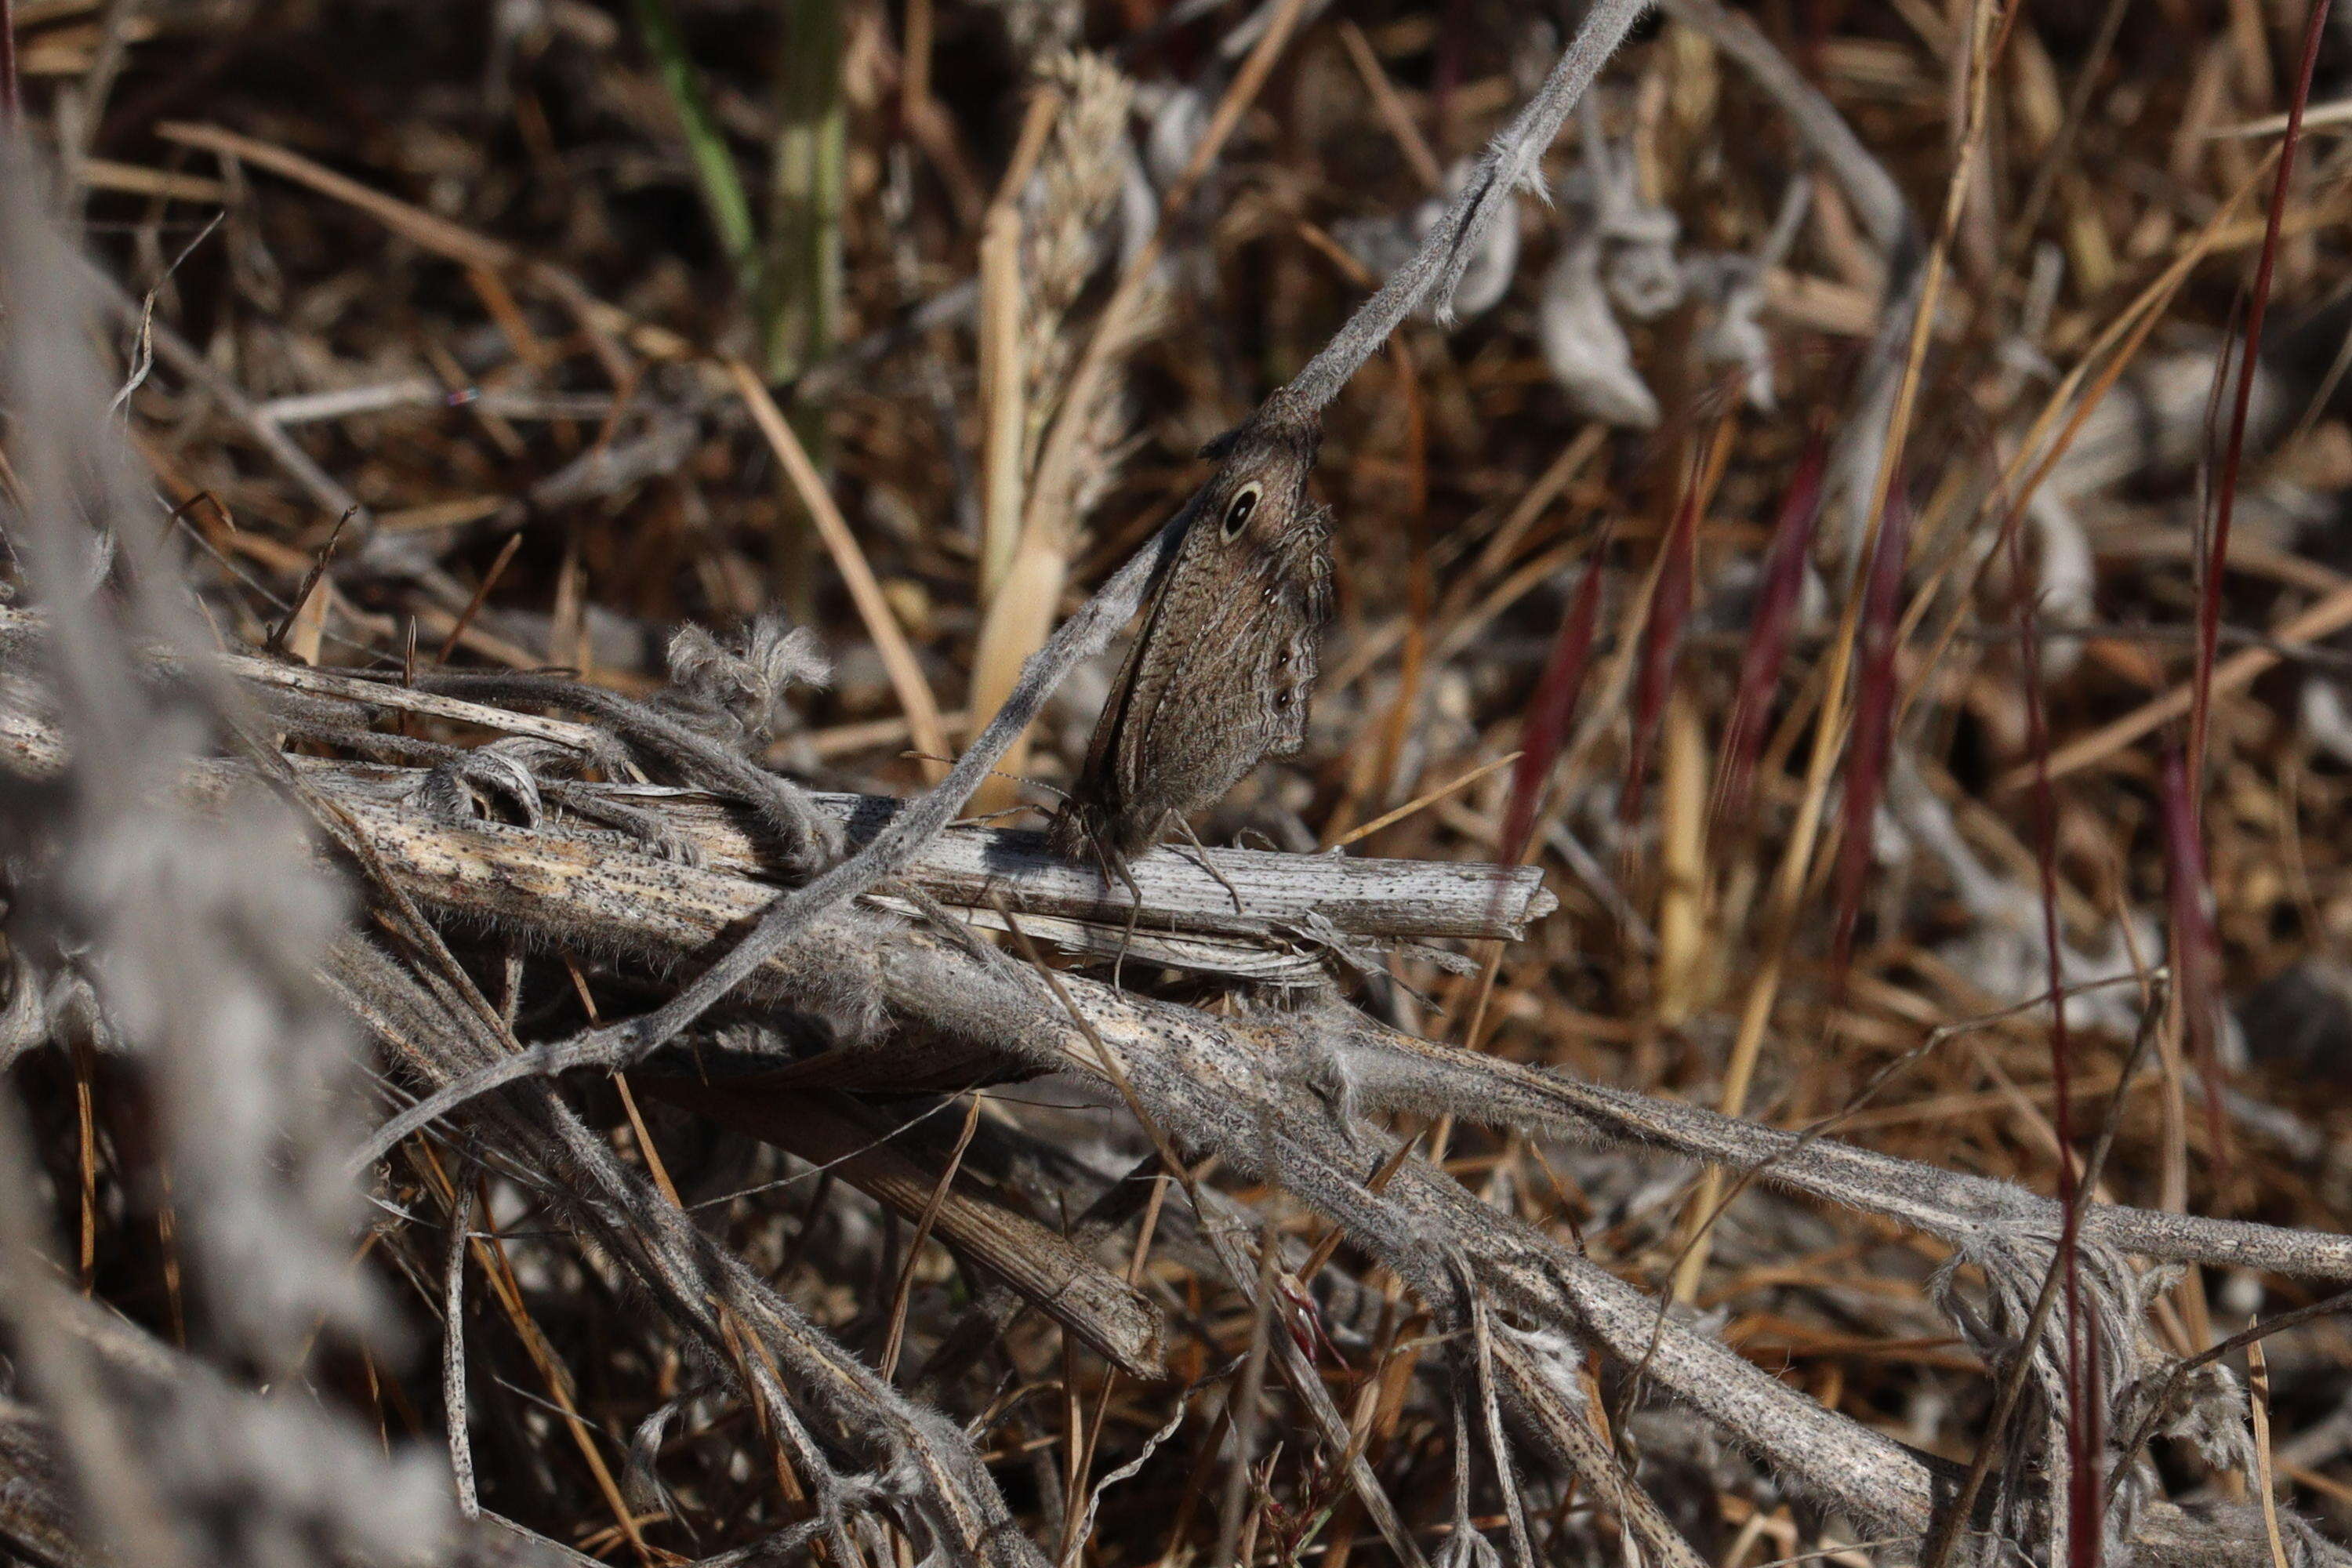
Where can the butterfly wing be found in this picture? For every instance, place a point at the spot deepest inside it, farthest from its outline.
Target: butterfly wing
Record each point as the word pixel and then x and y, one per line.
pixel 1297 610
pixel 1098 800
pixel 1226 675
pixel 1221 672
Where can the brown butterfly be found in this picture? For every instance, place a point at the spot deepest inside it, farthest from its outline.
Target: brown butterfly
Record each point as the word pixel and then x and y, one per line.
pixel 1223 671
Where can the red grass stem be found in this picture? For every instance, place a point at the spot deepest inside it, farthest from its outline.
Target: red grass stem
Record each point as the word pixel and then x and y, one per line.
pixel 2225 489
pixel 2084 1489
pixel 2196 950
pixel 1767 652
pixel 1874 722
pixel 1662 639
pixel 1554 708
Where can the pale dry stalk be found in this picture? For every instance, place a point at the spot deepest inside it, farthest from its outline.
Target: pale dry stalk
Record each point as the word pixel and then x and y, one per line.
pixel 1037 256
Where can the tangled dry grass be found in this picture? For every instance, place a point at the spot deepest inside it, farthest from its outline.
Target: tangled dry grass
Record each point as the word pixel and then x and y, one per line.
pixel 1793 1007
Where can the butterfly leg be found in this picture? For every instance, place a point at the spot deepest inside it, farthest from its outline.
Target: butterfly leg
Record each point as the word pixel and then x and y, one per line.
pixel 1111 863
pixel 1134 915
pixel 1201 860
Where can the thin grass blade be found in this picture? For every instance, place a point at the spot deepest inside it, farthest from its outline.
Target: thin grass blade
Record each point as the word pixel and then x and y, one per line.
pixel 706 146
